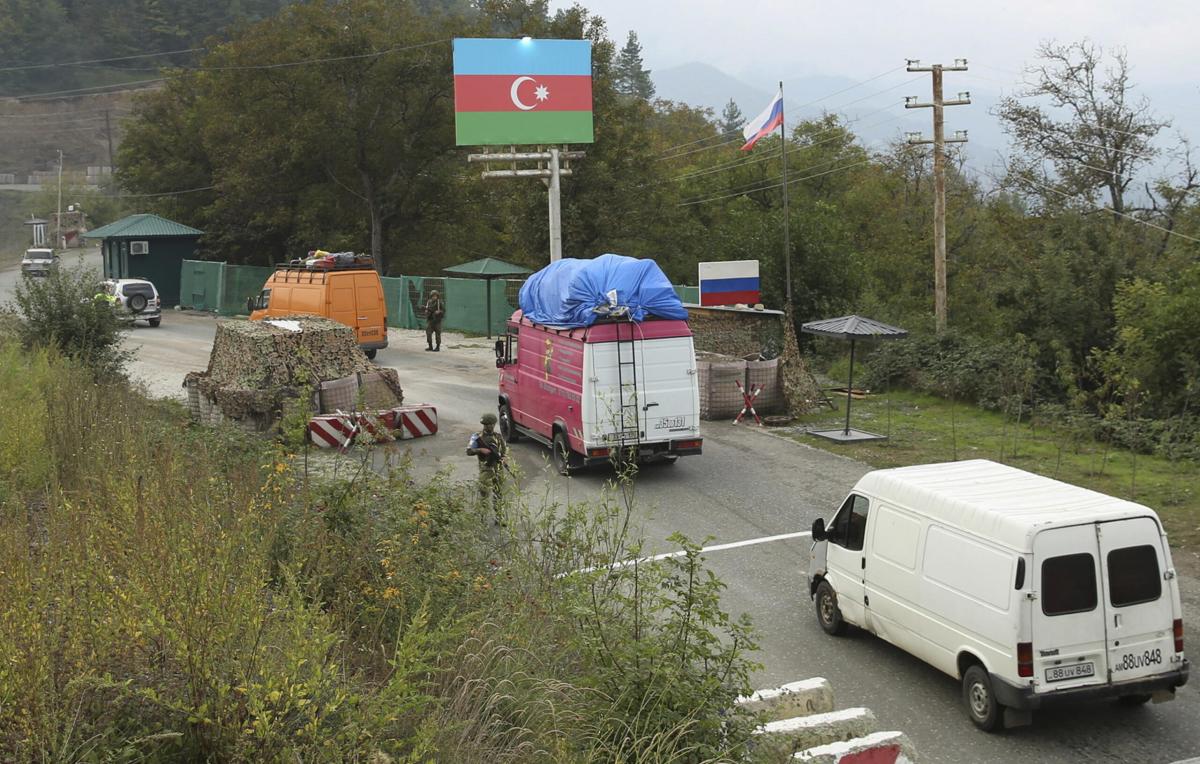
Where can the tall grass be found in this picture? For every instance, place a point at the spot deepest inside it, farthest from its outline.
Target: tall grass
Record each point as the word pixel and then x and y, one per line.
pixel 180 593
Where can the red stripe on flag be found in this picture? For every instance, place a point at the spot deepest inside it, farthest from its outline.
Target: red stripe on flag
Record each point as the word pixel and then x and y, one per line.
pixel 729 298
pixel 495 92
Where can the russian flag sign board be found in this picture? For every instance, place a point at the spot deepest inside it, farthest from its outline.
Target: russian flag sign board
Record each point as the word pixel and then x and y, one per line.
pixel 522 91
pixel 729 283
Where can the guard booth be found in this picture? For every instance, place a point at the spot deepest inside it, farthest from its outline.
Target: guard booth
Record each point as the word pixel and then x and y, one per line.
pixel 150 247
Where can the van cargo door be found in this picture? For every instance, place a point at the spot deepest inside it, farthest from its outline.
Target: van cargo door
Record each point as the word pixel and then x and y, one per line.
pixel 1137 601
pixel 369 303
pixel 340 294
pixel 670 396
pixel 1069 639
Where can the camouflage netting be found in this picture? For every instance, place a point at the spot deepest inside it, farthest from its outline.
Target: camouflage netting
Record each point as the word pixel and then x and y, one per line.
pixel 258 369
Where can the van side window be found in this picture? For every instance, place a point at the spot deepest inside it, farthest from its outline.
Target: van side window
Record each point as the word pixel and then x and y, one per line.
pixel 850 525
pixel 1069 584
pixel 1133 576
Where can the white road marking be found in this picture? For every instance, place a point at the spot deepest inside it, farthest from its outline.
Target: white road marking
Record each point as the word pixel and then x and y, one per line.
pixel 681 552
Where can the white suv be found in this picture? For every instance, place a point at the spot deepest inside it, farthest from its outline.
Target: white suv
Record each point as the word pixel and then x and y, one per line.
pixel 137 299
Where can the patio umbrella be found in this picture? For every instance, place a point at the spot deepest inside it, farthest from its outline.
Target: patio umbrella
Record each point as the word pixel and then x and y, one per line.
pixel 851 328
pixel 488 269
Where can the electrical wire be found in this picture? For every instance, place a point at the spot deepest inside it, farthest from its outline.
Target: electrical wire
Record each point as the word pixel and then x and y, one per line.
pixel 1070 196
pixel 778 185
pixel 96 60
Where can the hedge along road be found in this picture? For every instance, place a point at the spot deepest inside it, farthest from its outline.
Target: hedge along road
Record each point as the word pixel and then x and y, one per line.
pixel 746 487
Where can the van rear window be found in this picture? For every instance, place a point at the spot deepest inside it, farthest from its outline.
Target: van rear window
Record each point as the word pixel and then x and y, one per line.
pixel 1069 584
pixel 1133 576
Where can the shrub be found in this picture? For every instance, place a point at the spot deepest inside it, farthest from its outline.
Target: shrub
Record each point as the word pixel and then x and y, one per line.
pixel 59 312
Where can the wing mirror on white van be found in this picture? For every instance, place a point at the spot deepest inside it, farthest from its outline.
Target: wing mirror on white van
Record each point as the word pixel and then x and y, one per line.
pixel 818 529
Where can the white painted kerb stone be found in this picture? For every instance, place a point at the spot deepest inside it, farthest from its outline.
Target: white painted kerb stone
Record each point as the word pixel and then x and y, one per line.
pixel 887 747
pixel 801 732
pixel 803 698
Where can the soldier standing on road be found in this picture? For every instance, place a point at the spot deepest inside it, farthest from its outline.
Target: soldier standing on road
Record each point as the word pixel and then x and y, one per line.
pixel 435 311
pixel 489 447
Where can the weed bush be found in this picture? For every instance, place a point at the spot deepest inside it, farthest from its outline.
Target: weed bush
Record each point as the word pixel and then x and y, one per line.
pixel 183 593
pixel 59 312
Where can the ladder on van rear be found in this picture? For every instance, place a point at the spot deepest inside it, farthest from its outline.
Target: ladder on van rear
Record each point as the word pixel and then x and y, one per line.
pixel 629 428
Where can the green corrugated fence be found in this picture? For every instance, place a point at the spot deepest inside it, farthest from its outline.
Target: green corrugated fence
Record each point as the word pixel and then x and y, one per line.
pixel 224 288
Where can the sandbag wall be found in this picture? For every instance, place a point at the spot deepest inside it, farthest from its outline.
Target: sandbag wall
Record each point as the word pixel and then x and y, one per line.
pixel 719 376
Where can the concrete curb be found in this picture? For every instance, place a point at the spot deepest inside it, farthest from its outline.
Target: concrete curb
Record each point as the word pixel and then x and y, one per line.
pixel 876 748
pixel 808 696
pixel 788 736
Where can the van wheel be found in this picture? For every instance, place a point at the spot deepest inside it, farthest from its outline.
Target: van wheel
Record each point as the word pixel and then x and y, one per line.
pixel 565 460
pixel 507 430
pixel 981 703
pixel 371 353
pixel 828 614
pixel 1134 700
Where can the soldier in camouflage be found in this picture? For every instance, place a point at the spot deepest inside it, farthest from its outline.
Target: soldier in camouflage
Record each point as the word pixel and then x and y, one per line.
pixel 489 447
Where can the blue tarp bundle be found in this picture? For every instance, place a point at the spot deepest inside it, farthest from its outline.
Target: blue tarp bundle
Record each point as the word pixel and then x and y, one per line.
pixel 566 292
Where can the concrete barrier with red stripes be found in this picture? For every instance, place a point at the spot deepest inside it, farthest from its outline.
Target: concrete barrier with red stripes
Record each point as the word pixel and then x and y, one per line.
pixel 341 429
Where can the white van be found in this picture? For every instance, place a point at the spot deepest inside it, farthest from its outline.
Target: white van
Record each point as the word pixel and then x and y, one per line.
pixel 1031 591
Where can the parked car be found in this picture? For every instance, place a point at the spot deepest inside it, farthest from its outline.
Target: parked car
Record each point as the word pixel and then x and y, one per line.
pixel 136 299
pixel 39 261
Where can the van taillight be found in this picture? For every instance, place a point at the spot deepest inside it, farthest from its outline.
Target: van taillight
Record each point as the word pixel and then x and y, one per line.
pixel 597 453
pixel 1024 659
pixel 1178 629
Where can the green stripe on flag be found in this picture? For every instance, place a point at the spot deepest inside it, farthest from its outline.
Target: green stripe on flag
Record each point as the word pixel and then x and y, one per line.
pixel 490 128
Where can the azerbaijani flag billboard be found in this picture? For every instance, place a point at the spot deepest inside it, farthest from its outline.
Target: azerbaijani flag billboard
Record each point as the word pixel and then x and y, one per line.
pixel 522 91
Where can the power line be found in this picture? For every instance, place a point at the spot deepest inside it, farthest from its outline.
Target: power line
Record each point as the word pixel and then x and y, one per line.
pixel 182 71
pixel 119 87
pixel 1070 196
pixel 96 60
pixel 801 106
pixel 778 185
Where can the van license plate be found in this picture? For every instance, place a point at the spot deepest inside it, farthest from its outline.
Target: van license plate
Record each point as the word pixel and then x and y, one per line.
pixel 667 422
pixel 1074 671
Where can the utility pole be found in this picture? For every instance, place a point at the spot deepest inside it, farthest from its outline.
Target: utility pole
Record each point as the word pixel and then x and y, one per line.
pixel 939 172
pixel 108 134
pixel 58 237
pixel 550 176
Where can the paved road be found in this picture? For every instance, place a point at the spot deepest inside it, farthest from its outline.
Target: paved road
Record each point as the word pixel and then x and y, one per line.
pixel 748 484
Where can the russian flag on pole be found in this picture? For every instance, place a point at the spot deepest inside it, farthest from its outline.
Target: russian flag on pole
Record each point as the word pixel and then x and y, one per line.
pixel 764 124
pixel 729 283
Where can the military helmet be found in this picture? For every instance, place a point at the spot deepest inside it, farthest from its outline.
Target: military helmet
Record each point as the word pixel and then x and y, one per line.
pixel 488 418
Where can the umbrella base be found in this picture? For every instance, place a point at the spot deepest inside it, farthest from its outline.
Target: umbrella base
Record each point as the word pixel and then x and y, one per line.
pixel 847 436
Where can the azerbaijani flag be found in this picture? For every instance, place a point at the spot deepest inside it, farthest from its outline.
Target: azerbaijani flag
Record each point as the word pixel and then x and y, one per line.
pixel 522 91
pixel 729 282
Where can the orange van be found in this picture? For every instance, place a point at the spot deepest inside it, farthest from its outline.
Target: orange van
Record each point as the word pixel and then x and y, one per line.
pixel 352 296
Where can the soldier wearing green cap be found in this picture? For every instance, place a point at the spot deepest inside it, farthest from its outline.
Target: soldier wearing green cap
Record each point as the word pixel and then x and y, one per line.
pixel 489 447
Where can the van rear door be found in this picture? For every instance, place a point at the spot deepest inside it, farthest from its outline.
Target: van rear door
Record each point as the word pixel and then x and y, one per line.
pixel 670 396
pixel 1138 606
pixel 368 299
pixel 1069 623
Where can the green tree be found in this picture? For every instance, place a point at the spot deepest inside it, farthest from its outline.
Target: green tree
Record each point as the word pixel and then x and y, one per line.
pixel 732 119
pixel 631 77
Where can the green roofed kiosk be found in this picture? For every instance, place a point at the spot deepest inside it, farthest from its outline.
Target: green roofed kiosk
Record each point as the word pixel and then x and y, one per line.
pixel 489 269
pixel 150 247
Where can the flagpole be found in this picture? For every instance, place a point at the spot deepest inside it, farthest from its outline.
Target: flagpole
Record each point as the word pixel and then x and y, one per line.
pixel 787 244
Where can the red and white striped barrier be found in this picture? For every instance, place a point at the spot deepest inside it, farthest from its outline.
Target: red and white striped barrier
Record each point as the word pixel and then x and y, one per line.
pixel 414 421
pixel 404 422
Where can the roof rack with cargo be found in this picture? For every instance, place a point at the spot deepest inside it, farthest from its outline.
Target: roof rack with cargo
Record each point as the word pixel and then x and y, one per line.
pixel 320 260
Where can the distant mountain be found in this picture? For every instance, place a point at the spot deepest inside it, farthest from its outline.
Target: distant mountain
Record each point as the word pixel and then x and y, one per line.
pixel 703 85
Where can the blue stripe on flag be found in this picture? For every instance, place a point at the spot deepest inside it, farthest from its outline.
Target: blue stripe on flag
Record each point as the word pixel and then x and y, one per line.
pixel 489 56
pixel 729 285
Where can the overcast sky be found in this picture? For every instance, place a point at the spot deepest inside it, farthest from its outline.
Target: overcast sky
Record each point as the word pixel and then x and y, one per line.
pixel 774 39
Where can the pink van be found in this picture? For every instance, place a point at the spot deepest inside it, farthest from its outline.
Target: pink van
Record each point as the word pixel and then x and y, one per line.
pixel 616 389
